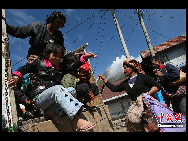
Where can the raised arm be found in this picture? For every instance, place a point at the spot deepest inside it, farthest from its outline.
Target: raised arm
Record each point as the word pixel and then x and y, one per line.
pixel 23 31
pixel 118 88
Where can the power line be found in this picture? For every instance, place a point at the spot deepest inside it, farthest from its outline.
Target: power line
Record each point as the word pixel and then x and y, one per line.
pixel 158 33
pixel 172 17
pixel 130 35
pixel 83 22
pixel 100 47
pixel 147 14
pixel 153 32
pixel 19 61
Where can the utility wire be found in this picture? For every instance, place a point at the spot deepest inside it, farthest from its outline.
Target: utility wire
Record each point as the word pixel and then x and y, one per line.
pixel 83 22
pixel 172 17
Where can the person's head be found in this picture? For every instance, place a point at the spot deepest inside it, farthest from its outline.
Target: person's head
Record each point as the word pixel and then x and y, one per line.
pixel 54 53
pixel 130 66
pixel 84 72
pixel 157 61
pixel 56 19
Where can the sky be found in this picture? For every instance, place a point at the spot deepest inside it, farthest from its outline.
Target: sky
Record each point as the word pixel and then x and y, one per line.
pixel 100 33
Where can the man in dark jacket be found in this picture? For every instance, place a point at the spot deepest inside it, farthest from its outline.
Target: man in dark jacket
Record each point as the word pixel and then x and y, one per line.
pixel 177 93
pixel 41 33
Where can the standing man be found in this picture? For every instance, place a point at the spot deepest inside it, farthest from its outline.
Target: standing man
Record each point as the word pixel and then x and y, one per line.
pixel 176 93
pixel 41 33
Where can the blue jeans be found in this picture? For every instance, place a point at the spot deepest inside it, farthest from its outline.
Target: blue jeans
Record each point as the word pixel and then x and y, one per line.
pixel 52 98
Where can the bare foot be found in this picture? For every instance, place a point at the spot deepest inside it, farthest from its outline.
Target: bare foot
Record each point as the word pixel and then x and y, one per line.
pixel 82 125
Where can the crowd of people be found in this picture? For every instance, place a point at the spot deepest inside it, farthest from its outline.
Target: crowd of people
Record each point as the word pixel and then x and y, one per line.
pixel 51 85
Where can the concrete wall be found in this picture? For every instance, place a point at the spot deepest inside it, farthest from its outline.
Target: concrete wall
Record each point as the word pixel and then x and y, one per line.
pixel 100 116
pixel 118 107
pixel 175 55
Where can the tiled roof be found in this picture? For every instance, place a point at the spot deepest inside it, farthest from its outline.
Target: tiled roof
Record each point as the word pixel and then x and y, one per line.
pixel 165 45
pixel 107 93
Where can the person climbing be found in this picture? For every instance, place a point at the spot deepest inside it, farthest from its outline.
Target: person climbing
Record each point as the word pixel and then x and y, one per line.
pixel 40 33
pixel 47 89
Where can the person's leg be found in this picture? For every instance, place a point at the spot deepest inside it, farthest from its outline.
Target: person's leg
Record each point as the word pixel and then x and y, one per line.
pixel 54 116
pixel 67 102
pixel 59 95
pixel 46 98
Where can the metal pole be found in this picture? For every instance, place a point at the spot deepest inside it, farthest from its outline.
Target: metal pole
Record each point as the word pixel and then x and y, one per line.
pixel 120 34
pixel 145 32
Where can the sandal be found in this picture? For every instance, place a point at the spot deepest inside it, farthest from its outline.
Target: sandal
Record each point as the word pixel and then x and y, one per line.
pixel 87 129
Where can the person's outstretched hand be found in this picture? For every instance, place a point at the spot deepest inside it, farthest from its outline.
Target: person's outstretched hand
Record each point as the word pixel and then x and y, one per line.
pixel 101 78
pixel 90 55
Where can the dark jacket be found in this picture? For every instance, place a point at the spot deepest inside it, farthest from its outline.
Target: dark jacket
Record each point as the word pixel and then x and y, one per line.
pixel 83 89
pixel 142 84
pixel 20 95
pixel 171 73
pixel 45 76
pixel 38 32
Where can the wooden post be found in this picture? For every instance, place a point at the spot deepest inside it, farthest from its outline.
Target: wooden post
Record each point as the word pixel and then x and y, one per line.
pixel 120 34
pixel 8 100
pixel 145 32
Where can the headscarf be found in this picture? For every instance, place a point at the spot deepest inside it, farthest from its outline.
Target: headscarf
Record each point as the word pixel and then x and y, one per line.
pixel 135 64
pixel 85 67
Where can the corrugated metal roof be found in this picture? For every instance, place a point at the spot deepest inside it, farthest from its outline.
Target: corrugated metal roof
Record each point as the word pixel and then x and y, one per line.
pixel 165 45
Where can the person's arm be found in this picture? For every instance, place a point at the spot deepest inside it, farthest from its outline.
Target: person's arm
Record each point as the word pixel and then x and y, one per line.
pixel 172 72
pixel 83 59
pixel 151 83
pixel 118 88
pixel 20 72
pixel 153 90
pixel 22 31
pixel 95 89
